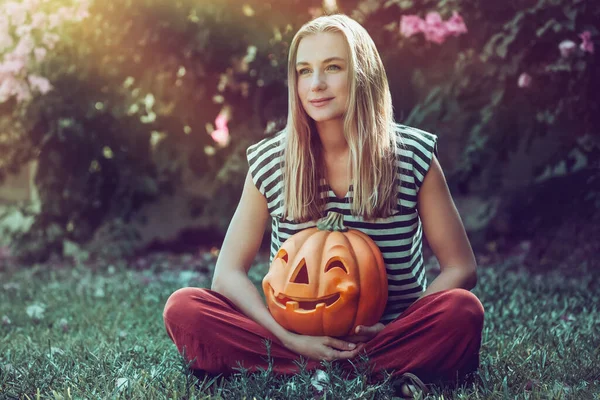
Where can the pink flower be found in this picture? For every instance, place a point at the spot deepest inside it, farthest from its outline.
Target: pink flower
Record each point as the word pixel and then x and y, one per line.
pixel 25 46
pixel 22 92
pixel 411 25
pixel 40 54
pixel 22 20
pixel 524 80
pixel 433 18
pixel 567 48
pixel 50 39
pixel 31 5
pixel 436 34
pixel 5 90
pixel 17 12
pixel 53 21
pixel 586 44
pixel 221 134
pixel 38 20
pixel 433 27
pixel 39 83
pixel 24 30
pixel 455 25
pixel 12 66
pixel 6 41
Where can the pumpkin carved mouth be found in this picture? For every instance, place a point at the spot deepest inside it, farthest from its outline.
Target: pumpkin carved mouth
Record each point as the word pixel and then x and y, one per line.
pixel 295 303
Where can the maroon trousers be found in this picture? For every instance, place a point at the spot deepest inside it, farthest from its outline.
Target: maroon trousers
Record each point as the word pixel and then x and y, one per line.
pixel 437 338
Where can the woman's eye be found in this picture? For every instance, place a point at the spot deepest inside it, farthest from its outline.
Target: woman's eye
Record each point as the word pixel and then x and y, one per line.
pixel 301 72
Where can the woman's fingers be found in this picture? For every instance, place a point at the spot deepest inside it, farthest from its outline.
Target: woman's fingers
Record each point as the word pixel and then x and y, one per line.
pixel 340 349
pixel 369 330
pixel 340 355
pixel 363 333
pixel 322 347
pixel 339 344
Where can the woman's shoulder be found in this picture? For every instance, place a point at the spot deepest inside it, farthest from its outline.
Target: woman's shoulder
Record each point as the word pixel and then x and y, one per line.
pixel 409 137
pixel 268 143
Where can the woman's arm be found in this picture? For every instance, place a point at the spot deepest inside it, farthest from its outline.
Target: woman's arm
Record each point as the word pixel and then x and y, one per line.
pixel 242 241
pixel 240 246
pixel 445 234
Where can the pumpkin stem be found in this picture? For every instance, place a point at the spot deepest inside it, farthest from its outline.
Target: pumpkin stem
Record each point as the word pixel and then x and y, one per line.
pixel 332 222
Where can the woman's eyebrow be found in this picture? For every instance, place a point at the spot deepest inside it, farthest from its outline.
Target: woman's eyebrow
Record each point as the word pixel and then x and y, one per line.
pixel 324 61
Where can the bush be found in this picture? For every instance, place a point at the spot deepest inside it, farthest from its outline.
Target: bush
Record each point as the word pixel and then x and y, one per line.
pixel 138 86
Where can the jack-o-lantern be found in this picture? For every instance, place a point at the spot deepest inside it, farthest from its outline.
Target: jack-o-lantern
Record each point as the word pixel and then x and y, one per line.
pixel 327 280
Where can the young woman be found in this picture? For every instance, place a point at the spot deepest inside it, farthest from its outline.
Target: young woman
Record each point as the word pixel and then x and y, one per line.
pixel 342 150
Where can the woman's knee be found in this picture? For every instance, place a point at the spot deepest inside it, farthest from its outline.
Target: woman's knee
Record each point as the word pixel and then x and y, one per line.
pixel 462 308
pixel 182 302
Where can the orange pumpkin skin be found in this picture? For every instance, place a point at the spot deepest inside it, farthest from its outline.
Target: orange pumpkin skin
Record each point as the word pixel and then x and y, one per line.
pixel 324 282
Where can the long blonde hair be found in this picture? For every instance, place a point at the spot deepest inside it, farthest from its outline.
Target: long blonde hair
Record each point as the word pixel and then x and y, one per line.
pixel 368 129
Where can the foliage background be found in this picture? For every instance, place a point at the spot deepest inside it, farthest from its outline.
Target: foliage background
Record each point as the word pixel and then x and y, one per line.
pixel 139 83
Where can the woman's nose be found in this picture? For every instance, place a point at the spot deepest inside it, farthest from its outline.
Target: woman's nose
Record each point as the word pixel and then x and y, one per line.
pixel 317 83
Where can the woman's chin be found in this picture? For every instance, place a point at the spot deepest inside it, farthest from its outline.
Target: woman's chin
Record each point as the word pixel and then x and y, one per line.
pixel 324 117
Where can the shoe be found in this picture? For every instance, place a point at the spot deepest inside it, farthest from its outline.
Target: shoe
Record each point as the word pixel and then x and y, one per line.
pixel 408 385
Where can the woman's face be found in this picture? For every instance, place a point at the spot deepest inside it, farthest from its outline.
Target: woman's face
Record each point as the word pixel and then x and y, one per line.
pixel 322 69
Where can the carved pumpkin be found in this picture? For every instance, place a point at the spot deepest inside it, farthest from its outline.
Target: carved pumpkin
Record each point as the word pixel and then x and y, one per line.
pixel 327 280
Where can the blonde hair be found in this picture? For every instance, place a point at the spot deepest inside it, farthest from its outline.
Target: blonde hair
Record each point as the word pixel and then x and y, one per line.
pixel 368 129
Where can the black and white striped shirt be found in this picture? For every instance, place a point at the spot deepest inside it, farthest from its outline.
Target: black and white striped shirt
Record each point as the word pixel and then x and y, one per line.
pixel 399 236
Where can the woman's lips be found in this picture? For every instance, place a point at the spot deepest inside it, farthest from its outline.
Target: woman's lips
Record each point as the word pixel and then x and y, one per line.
pixel 320 103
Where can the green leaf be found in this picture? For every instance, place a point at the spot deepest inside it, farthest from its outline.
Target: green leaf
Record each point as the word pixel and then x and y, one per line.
pixel 549 24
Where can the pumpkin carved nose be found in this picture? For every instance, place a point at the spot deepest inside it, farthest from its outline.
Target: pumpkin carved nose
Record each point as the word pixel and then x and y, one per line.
pixel 301 274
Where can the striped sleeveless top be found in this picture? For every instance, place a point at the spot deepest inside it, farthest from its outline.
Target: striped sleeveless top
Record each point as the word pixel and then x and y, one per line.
pixel 399 236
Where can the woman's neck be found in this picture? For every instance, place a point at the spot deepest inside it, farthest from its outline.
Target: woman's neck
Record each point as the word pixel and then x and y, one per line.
pixel 332 138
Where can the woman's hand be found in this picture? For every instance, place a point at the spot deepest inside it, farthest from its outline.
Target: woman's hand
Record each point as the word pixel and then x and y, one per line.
pixel 320 347
pixel 363 334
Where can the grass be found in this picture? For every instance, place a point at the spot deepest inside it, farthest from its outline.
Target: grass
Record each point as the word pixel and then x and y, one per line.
pixel 97 332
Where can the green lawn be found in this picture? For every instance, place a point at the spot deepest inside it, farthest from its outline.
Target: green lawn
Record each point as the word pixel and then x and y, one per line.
pixel 75 332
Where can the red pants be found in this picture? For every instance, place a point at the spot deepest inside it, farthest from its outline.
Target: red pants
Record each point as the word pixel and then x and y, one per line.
pixel 437 338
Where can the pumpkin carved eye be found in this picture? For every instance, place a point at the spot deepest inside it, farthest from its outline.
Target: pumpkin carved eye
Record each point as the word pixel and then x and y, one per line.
pixel 301 273
pixel 336 263
pixel 283 255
